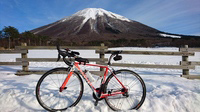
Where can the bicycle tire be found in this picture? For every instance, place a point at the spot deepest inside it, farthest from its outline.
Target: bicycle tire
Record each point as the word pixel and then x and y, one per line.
pixel 134 99
pixel 48 94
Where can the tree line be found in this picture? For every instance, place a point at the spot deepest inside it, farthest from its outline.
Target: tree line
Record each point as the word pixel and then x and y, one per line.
pixel 10 37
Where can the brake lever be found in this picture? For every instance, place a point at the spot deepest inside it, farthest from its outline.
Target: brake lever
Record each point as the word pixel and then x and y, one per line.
pixel 74 52
pixel 58 57
pixel 67 49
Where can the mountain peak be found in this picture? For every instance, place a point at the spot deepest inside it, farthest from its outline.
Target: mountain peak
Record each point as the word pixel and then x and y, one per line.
pixel 93 13
pixel 92 23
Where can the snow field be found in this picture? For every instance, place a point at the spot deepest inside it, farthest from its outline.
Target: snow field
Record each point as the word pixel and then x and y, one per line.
pixel 166 90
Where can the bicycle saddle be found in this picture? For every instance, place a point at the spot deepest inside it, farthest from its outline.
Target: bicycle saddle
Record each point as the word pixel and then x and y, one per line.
pixel 82 60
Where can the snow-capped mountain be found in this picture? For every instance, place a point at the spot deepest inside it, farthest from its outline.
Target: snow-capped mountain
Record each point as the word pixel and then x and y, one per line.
pixel 94 24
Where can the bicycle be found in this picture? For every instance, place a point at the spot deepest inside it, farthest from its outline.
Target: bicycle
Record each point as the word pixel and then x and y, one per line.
pixel 61 88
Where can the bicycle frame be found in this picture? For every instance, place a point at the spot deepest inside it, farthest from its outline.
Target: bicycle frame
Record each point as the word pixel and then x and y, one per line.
pixel 103 95
pixel 69 87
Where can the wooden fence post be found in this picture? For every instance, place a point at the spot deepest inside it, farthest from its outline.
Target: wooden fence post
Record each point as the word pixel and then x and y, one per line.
pixel 24 55
pixel 185 58
pixel 102 55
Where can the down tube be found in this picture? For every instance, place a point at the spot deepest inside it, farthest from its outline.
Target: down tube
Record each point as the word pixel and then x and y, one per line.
pixel 85 77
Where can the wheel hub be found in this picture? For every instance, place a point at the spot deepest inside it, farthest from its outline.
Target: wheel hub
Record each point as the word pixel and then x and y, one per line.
pixel 125 90
pixel 61 89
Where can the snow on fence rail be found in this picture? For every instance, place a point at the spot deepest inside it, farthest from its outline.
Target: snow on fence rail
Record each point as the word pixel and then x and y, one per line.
pixel 185 64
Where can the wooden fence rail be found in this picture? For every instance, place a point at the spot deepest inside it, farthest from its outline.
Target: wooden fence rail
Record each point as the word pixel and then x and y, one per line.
pixel 25 58
pixel 185 52
pixel 62 47
pixel 54 59
pixel 152 53
pixel 14 63
pixel 13 52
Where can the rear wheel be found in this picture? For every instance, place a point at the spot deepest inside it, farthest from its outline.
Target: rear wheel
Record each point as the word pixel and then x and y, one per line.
pixel 135 93
pixel 48 86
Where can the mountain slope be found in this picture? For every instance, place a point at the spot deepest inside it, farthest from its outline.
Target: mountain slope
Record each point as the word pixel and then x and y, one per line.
pixel 92 23
pixel 92 26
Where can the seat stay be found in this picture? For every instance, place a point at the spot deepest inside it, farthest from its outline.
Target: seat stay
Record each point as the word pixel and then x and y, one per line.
pixel 116 92
pixel 119 82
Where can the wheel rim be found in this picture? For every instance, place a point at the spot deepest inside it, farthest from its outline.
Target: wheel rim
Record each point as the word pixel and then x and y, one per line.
pixel 49 95
pixel 130 100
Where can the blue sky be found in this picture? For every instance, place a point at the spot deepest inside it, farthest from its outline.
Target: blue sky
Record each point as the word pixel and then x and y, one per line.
pixel 173 16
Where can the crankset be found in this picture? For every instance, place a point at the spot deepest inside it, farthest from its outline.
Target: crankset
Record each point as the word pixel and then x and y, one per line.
pixel 95 97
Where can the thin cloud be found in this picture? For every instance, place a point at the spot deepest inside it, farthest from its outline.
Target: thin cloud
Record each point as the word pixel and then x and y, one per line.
pixel 165 14
pixel 177 16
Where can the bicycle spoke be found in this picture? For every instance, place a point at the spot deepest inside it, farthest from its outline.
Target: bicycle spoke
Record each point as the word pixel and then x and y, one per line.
pixel 128 101
pixel 71 82
pixel 54 82
pixel 125 77
pixel 118 102
pixel 134 82
pixel 73 86
pixel 135 91
pixel 53 99
pixel 69 100
pixel 53 85
pixel 47 99
pixel 122 103
pixel 58 80
pixel 115 83
pixel 48 90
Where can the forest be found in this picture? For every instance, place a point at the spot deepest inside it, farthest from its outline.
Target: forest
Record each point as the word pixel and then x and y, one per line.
pixel 10 37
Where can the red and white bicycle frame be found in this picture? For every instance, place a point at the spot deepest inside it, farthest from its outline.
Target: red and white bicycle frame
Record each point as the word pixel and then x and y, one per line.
pixel 103 95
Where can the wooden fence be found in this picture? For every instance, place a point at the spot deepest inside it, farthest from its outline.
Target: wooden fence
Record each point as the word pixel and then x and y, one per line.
pixel 185 64
pixel 22 52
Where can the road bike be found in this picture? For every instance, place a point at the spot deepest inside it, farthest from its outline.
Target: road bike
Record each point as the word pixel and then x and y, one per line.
pixel 62 88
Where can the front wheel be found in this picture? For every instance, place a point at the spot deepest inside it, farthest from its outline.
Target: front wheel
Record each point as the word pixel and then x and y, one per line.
pixel 134 91
pixel 48 90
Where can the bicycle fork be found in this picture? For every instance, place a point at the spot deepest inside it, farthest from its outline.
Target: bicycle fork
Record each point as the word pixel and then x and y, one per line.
pixel 66 80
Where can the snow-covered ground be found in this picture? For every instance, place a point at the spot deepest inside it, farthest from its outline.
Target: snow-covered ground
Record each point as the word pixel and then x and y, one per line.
pixel 166 90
